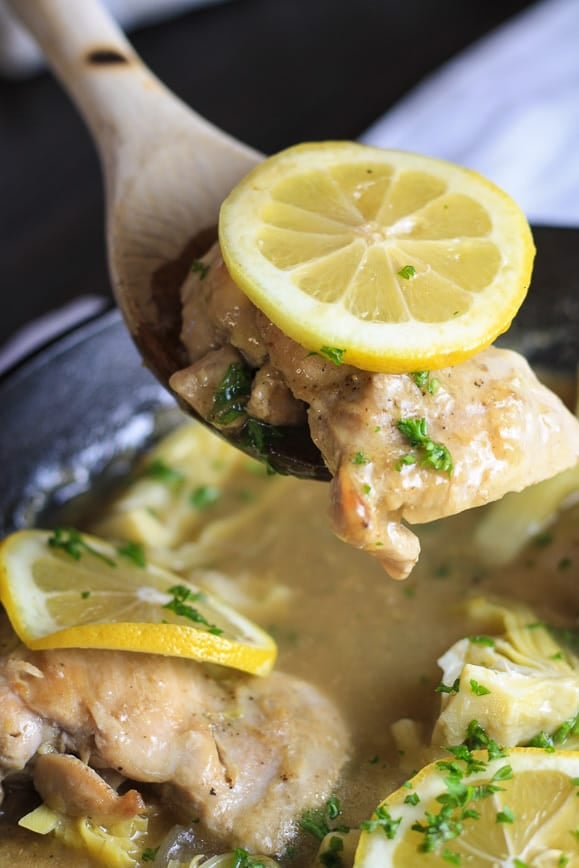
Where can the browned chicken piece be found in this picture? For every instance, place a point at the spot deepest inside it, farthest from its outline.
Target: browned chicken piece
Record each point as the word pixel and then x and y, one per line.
pixel 502 428
pixel 216 312
pixel 200 381
pixel 220 329
pixel 499 427
pixel 70 786
pixel 271 400
pixel 245 755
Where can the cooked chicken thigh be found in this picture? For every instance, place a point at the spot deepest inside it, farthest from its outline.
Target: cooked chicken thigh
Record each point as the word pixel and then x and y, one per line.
pixel 489 423
pixel 245 755
pixel 500 428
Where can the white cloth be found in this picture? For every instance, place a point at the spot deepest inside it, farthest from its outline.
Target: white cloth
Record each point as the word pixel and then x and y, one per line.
pixel 508 107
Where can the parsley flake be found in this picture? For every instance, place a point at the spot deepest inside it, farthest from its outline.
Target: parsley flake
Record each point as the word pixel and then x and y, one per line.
pixel 407 271
pixel 231 395
pixel 160 471
pixel 507 815
pixel 435 455
pixel 134 552
pixel 334 354
pixel 199 267
pixel 243 859
pixel 181 605
pixel 478 689
pixel 149 854
pixel 382 820
pixel 333 808
pixel 73 543
pixel 360 458
pixel 482 640
pixel 477 738
pixel 317 821
pixel 204 496
pixel 425 382
pixel 448 688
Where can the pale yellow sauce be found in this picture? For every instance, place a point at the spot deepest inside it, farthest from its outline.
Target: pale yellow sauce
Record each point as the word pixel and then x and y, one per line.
pixel 371 643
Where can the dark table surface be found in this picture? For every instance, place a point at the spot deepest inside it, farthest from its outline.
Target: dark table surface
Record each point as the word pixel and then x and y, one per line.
pixel 271 72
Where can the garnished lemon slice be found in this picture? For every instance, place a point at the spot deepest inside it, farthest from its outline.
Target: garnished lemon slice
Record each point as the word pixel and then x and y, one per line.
pixel 518 810
pixel 64 589
pixel 396 261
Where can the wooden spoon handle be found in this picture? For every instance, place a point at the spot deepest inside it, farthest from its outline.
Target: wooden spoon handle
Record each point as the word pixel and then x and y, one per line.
pixel 128 110
pixel 93 60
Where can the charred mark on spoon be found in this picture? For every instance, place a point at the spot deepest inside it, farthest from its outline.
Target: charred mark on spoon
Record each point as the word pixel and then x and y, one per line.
pixel 105 57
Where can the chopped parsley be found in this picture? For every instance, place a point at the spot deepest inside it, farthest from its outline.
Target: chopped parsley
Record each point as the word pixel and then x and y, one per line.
pixel 84 595
pixel 425 382
pixel 317 821
pixel 73 543
pixel 412 799
pixel 149 854
pixel 478 689
pixel 477 738
pixel 407 271
pixel 565 731
pixel 334 354
pixel 507 815
pixel 457 803
pixel 232 395
pixel 482 640
pixel 448 688
pixel 134 552
pixel 333 808
pixel 435 455
pixel 360 458
pixel 404 460
pixel 204 496
pixel 383 820
pixel 181 605
pixel 160 471
pixel 243 859
pixel 199 267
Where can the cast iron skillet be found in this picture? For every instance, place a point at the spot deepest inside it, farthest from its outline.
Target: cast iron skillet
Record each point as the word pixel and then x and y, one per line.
pixel 75 414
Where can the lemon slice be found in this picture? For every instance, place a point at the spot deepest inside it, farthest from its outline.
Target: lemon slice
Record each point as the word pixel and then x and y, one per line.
pixel 63 589
pixel 398 261
pixel 518 810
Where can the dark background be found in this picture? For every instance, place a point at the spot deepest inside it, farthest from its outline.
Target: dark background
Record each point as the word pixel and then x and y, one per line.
pixel 270 72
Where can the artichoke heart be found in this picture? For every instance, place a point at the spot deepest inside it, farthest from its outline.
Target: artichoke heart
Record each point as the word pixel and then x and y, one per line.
pixel 514 679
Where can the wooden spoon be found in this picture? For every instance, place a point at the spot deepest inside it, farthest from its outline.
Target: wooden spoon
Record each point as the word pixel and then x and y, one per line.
pixel 166 172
